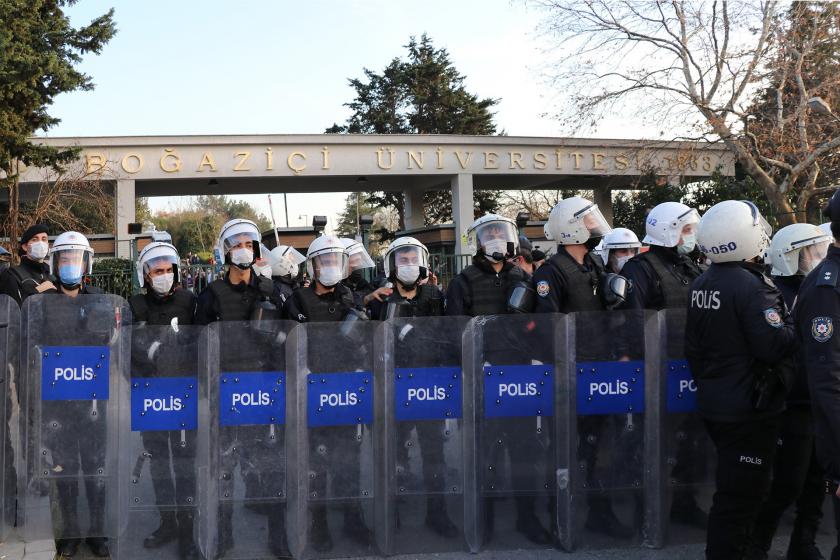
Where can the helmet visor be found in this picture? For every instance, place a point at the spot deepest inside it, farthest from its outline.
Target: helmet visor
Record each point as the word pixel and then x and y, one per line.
pixel 160 265
pixel 811 256
pixel 71 264
pixel 293 255
pixel 758 219
pixel 593 221
pixel 241 239
pixel 330 268
pixel 409 256
pixel 496 233
pixel 358 257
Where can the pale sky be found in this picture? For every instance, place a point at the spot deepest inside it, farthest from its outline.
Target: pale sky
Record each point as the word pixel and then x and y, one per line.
pixel 281 67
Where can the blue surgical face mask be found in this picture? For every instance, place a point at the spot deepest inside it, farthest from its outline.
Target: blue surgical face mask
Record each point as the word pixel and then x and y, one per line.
pixel 70 274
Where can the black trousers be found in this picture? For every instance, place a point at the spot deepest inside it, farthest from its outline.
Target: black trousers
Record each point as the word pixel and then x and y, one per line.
pixel 746 451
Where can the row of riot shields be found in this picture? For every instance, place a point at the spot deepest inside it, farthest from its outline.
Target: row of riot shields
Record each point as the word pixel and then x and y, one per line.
pixel 273 439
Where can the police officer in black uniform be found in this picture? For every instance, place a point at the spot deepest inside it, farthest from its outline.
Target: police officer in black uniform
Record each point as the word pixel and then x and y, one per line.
pixel 739 343
pixel 358 262
pixel 240 295
pixel 797 477
pixel 817 315
pixel 166 304
pixel 32 275
pixel 285 272
pixel 327 299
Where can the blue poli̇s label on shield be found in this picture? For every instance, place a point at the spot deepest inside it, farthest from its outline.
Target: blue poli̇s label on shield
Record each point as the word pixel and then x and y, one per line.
pixel 681 390
pixel 75 373
pixel 518 391
pixel 610 387
pixel 164 403
pixel 252 398
pixel 339 399
pixel 432 393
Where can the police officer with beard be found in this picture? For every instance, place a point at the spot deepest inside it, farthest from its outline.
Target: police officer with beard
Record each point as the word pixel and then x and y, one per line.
pixel 327 299
pixel 285 271
pixel 739 344
pixel 797 477
pixel 32 275
pixel 817 315
pixel 165 303
pixel 573 281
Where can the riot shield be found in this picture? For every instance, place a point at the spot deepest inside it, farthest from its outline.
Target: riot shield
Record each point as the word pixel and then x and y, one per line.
pixel 608 382
pixel 520 395
pixel 423 434
pixel 335 444
pixel 9 409
pixel 163 443
pixel 688 470
pixel 77 351
pixel 248 463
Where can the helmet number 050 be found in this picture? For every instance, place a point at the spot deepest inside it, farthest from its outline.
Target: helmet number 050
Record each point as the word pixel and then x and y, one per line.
pixel 720 249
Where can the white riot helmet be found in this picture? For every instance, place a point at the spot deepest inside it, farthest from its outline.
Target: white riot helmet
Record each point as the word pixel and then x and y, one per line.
pixel 406 260
pixel 669 222
pixel 357 256
pixel 619 238
pixel 153 256
pixel 496 237
pixel 547 232
pixel 575 220
pixel 826 227
pixel 326 260
pixel 71 258
pixel 285 261
pixel 239 243
pixel 733 231
pixel 797 249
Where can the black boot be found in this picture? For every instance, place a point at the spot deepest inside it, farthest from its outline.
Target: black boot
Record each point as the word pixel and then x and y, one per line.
pixel 98 546
pixel 602 519
pixel 803 544
pixel 319 532
pixel 187 550
pixel 437 519
pixel 166 532
pixel 528 523
pixel 355 527
pixel 759 542
pixel 684 510
pixel 67 548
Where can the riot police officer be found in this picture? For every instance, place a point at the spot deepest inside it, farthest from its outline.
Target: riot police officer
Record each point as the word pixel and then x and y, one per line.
pixel 285 271
pixel 32 275
pixel 739 344
pixel 616 248
pixel 358 262
pixel 661 276
pixel 236 295
pixel 70 261
pixel 524 258
pixel 328 299
pixel 817 315
pixel 165 303
pixel 794 251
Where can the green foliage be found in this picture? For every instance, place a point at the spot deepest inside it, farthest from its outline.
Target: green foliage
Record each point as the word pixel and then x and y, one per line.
pixel 113 276
pixel 39 51
pixel 421 94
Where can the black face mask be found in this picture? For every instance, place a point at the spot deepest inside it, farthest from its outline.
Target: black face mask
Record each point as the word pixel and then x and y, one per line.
pixel 592 242
pixel 356 277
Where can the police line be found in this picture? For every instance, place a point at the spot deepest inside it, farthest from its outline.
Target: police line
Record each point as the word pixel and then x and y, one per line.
pixel 432 434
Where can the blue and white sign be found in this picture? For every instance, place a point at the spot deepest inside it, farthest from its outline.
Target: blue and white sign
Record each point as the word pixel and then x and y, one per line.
pixel 610 387
pixel 432 393
pixel 516 391
pixel 339 399
pixel 682 391
pixel 252 398
pixel 164 403
pixel 75 373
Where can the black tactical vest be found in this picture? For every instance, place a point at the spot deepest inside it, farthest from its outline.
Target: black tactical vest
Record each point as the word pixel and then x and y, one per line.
pixel 581 286
pixel 427 303
pixel 237 305
pixel 320 309
pixel 156 311
pixel 28 279
pixel 490 291
pixel 674 279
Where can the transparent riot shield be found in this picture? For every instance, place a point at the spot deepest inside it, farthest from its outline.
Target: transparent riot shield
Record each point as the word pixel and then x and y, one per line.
pixel 607 380
pixel 9 409
pixel 520 395
pixel 76 352
pixel 335 444
pixel 248 460
pixel 423 434
pixel 688 470
pixel 163 443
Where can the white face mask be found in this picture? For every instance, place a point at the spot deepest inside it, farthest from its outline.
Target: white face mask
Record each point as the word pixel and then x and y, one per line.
pixel 495 246
pixel 242 257
pixel 621 261
pixel 38 250
pixel 408 274
pixel 163 284
pixel 689 241
pixel 329 276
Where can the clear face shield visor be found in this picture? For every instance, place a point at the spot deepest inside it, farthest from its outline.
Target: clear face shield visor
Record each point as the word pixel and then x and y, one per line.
pixel 327 267
pixel 160 265
pixel 493 237
pixel 409 256
pixel 811 255
pixel 286 261
pixel 71 264
pixel 593 221
pixel 242 240
pixel 358 257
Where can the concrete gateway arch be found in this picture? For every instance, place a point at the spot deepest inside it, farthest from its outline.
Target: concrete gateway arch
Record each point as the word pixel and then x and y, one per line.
pixel 148 166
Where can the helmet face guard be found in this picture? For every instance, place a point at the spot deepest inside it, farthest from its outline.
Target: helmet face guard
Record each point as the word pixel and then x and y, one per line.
pixel 496 240
pixel 407 255
pixel 358 257
pixel 70 264
pixel 329 267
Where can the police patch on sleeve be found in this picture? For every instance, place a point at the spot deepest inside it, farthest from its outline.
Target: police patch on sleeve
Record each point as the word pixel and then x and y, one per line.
pixel 542 288
pixel 822 329
pixel 773 318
